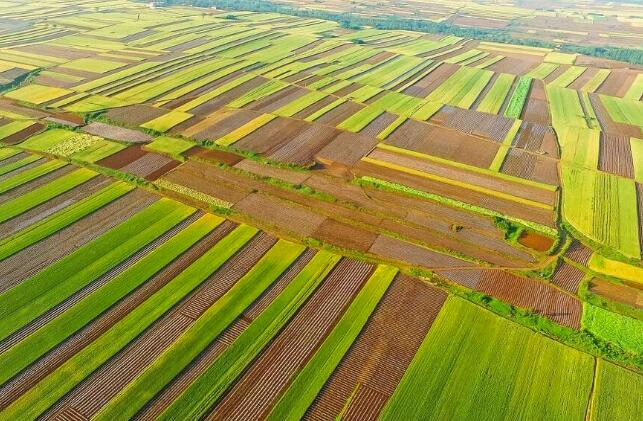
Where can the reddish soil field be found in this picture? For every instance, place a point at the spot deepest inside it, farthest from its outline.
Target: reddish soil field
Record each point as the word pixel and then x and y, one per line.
pixel 344 235
pixel 535 241
pixel 270 137
pixel 134 115
pixel 617 292
pixel 122 158
pixel 583 78
pixel 517 64
pixel 443 142
pixel 293 177
pixel 532 294
pixel 213 156
pixel 302 148
pixel 557 72
pixel 615 155
pixel 466 277
pixel 258 389
pixel 314 107
pixel 427 84
pixel 568 277
pixel 149 166
pixel 339 113
pixel 390 248
pixel 347 149
pixel 380 355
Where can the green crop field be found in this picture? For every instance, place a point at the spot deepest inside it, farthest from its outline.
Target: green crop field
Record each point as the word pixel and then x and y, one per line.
pixel 464 347
pixel 494 99
pixel 613 383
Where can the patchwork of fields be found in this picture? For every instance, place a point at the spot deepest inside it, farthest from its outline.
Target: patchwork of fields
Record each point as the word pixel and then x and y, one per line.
pixel 237 215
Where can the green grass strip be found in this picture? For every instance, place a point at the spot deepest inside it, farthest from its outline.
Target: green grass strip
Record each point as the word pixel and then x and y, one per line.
pixel 30 200
pixel 518 97
pixel 61 219
pixel 199 397
pixel 310 380
pixel 47 337
pixel 34 296
pixel 7 168
pixel 62 380
pixel 201 333
pixel 31 174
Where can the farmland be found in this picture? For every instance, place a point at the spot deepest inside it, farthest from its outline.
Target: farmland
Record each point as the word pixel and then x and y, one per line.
pixel 238 214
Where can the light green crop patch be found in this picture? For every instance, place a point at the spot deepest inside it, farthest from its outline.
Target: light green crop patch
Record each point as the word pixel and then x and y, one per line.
pixel 37 94
pixel 166 121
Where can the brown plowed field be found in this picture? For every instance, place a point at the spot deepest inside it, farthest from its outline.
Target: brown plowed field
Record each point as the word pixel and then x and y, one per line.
pixel 117 133
pixel 542 216
pixel 134 115
pixel 514 64
pixel 33 259
pixel 313 108
pixel 536 108
pixel 340 113
pixel 226 125
pixel 443 142
pixel 615 155
pixel 278 99
pixel 347 149
pixel 379 124
pixel 391 248
pixel 579 253
pixel 255 167
pixel 203 361
pixel 568 277
pixel 24 134
pixel 466 277
pixel 531 167
pixel 534 295
pixel 618 82
pixel 213 156
pixel 301 148
pixel 269 138
pixel 473 178
pixel 214 104
pixel 122 158
pixel 150 166
pixel 263 381
pixel 583 78
pixel 103 384
pixel 381 353
pixel 427 84
pixel 537 138
pixel 344 235
pixel 617 292
pixel 488 126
